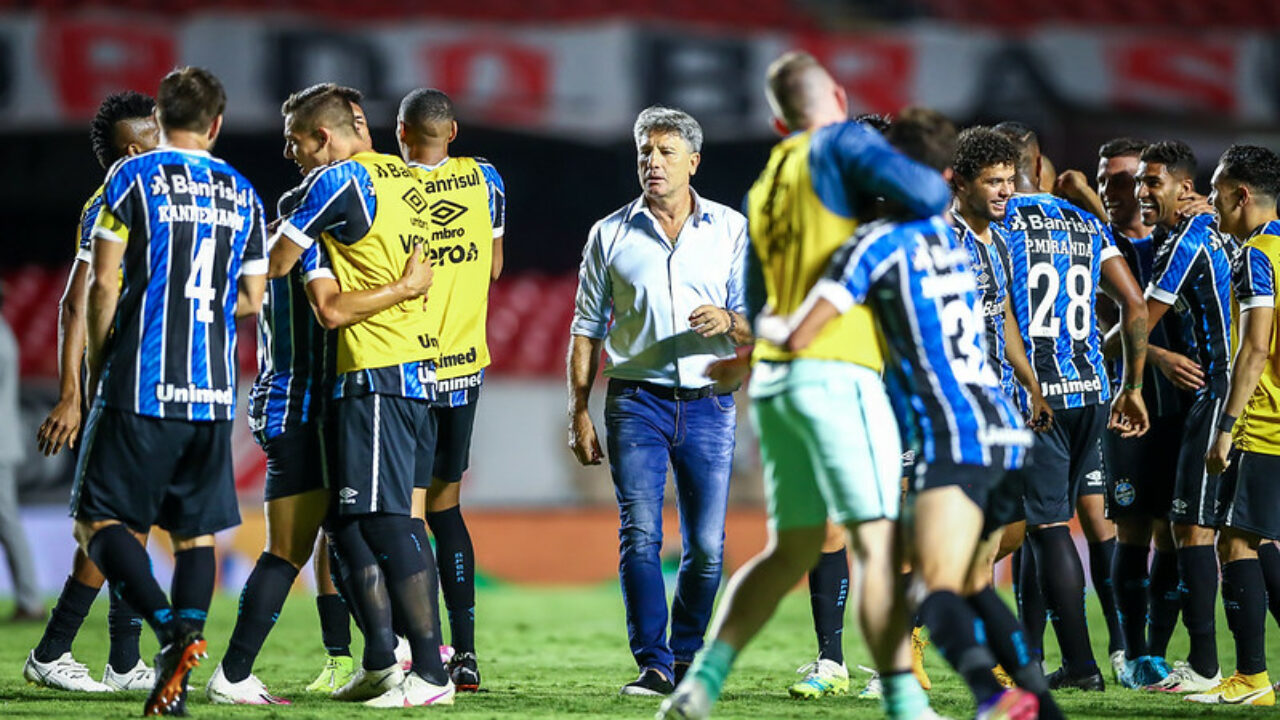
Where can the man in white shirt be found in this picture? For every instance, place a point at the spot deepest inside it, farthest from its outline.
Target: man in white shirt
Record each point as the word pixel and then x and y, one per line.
pixel 668 268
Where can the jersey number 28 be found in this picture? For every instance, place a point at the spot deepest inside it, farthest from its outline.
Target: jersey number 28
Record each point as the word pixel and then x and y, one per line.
pixel 1043 283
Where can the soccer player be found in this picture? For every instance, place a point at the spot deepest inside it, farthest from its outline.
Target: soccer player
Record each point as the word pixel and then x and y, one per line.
pixel 286 404
pixel 124 126
pixel 467 257
pixel 1246 185
pixel 161 353
pixel 1140 470
pixel 828 441
pixel 1191 276
pixel 1060 255
pixel 369 215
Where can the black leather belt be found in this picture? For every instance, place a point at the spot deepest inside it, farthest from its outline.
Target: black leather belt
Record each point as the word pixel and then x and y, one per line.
pixel 663 391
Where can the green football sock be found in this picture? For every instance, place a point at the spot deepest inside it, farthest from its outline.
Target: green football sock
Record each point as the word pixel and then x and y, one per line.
pixel 712 666
pixel 902 696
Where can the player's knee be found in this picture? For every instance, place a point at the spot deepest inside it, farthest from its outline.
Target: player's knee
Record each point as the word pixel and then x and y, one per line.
pixel 190 543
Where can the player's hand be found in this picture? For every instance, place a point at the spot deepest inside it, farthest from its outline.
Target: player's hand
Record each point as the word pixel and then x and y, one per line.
pixel 728 374
pixel 1041 414
pixel 582 439
pixel 709 321
pixel 1129 414
pixel 1193 204
pixel 60 428
pixel 1070 184
pixel 1216 461
pixel 1180 369
pixel 418 275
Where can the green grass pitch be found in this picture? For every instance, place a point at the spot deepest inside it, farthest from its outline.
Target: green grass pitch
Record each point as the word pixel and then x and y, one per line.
pixel 553 653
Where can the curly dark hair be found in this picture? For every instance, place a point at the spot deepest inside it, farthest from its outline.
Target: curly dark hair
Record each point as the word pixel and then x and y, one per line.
pixel 981 147
pixel 1122 147
pixel 128 105
pixel 1175 155
pixel 1255 166
pixel 924 135
pixel 876 121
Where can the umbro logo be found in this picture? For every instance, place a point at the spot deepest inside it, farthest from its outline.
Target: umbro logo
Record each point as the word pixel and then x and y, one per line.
pixel 414 200
pixel 347 495
pixel 446 211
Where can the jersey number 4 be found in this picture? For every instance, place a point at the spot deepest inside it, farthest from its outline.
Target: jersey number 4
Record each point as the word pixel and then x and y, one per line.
pixel 199 285
pixel 1043 283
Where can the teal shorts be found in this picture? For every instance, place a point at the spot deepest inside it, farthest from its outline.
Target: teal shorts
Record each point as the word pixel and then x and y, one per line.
pixel 828 442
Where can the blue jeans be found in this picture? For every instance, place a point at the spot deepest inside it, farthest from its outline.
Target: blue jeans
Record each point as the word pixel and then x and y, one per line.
pixel 645 433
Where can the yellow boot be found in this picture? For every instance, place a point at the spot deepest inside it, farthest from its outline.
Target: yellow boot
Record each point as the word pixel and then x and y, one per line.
pixel 917 659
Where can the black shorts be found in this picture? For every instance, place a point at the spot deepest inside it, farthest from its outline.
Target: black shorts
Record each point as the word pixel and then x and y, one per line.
pixel 295 463
pixel 384 447
pixel 975 480
pixel 1195 491
pixel 1251 494
pixel 146 471
pixel 1141 470
pixel 1095 477
pixel 1005 501
pixel 453 442
pixel 1058 462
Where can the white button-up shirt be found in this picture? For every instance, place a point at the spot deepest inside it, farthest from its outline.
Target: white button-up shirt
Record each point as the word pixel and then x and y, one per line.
pixel 650 286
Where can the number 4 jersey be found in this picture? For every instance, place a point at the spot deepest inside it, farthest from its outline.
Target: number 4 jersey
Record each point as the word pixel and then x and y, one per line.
pixel 1056 251
pixel 192 226
pixel 916 280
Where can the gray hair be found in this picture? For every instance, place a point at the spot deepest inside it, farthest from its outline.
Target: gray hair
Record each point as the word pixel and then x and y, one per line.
pixel 665 119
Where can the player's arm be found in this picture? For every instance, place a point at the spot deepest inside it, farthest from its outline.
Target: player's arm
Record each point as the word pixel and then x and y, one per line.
pixel 1251 359
pixel 250 290
pixel 63 423
pixel 282 257
pixel 1016 353
pixel 495 271
pixel 335 308
pixel 864 160
pixel 1254 287
pixel 252 283
pixel 497 215
pixel 109 237
pixel 1128 411
pixel 845 284
pixel 331 200
pixel 1073 186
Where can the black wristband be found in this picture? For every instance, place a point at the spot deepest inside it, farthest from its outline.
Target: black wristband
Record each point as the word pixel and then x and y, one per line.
pixel 1226 423
pixel 733 322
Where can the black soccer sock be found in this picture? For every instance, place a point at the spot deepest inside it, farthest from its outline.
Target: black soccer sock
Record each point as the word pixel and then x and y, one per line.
pixel 366 590
pixel 828 590
pixel 1101 556
pixel 335 624
pixel 124 562
pixel 1061 578
pixel 423 543
pixel 125 628
pixel 338 576
pixel 1198 567
pixel 457 562
pixel 958 634
pixel 1269 559
pixel 260 602
pixel 1026 589
pixel 411 582
pixel 1165 602
pixel 195 572
pixel 1242 597
pixel 1007 639
pixel 1129 578
pixel 65 620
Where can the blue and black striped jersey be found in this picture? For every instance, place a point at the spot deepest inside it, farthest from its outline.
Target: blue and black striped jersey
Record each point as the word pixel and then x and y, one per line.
pixel 295 354
pixel 192 226
pixel 916 279
pixel 1159 393
pixel 1193 274
pixel 990 263
pixel 1056 251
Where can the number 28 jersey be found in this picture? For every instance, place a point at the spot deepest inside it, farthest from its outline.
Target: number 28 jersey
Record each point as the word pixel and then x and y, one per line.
pixel 1056 251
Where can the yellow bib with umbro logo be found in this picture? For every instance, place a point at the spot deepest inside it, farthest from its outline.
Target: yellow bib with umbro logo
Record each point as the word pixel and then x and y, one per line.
pixel 462 257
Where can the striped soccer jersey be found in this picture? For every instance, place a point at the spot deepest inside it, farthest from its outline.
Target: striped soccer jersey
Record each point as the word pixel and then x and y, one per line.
pixel 1193 274
pixel 1258 429
pixel 295 354
pixel 916 279
pixel 990 264
pixel 1056 251
pixel 1159 393
pixel 192 225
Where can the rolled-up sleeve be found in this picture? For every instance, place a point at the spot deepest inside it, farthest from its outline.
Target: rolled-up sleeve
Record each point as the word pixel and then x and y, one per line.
pixel 737 289
pixel 594 301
